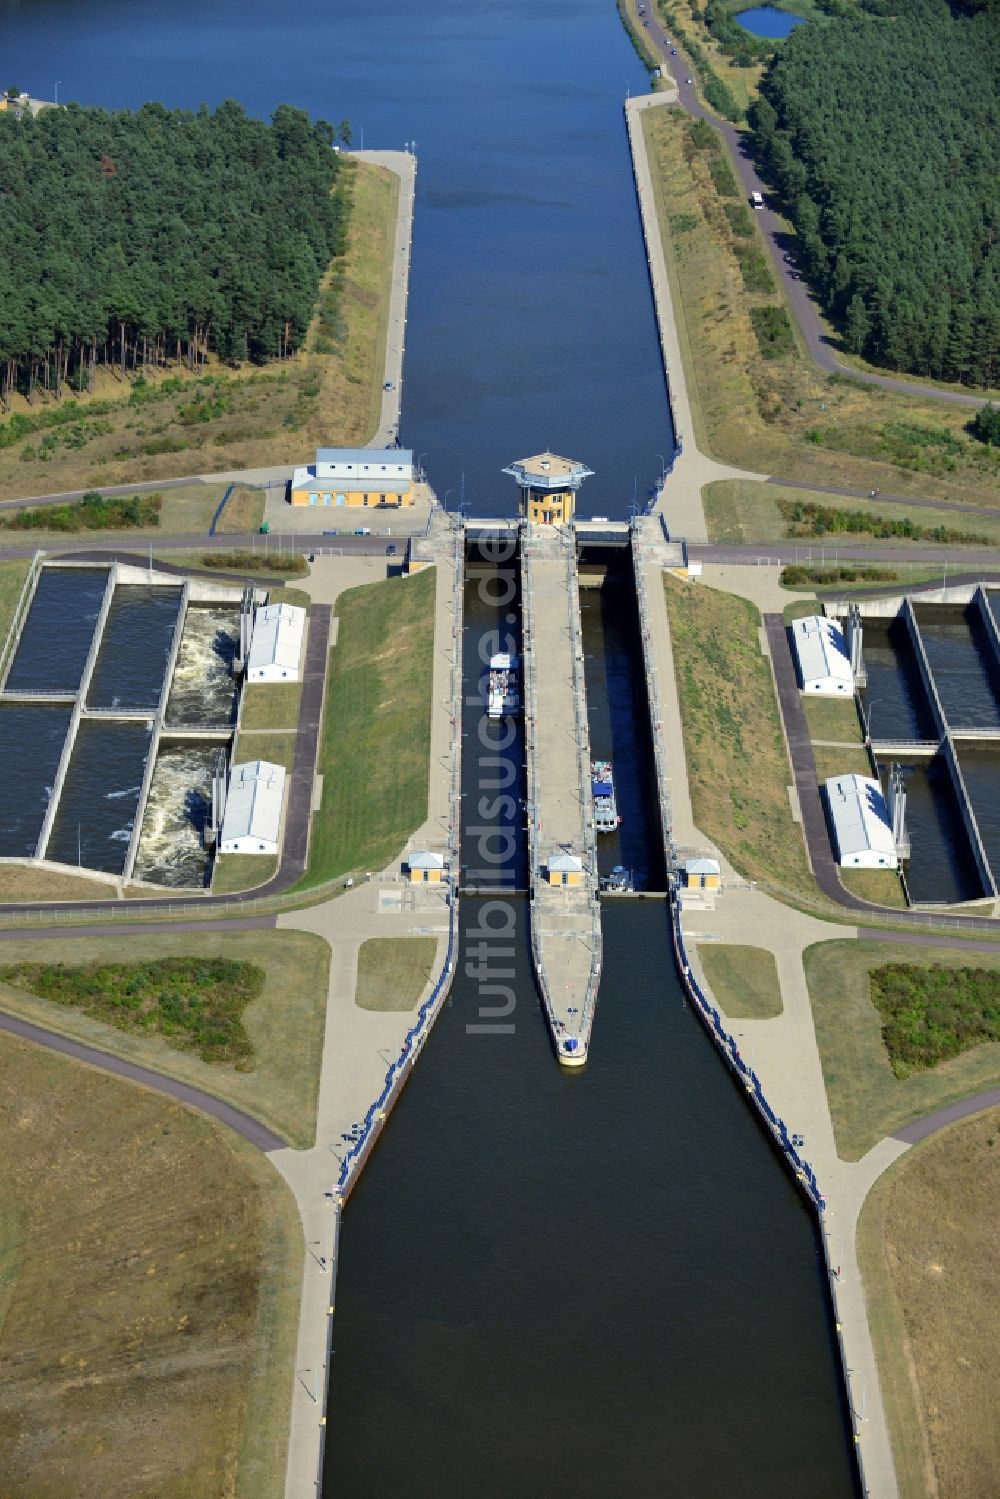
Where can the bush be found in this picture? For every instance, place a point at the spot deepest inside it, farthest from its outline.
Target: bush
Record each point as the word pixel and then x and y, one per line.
pixel 773 330
pixel 289 564
pixel 95 512
pixel 809 519
pixel 798 574
pixel 931 1014
pixel 985 425
pixel 722 175
pixel 195 1004
pixel 754 268
pixel 739 218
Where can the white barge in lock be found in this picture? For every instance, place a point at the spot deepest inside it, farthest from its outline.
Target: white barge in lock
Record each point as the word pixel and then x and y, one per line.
pixel 606 818
pixel 502 695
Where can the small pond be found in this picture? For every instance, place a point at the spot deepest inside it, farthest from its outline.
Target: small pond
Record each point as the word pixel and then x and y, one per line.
pixel 764 20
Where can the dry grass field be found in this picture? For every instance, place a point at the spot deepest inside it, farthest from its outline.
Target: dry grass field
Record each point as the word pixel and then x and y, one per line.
pixel 783 416
pixel 866 1100
pixel 149 1273
pixel 736 760
pixel 744 980
pixel 285 1025
pixel 393 972
pixel 929 1245
pixel 739 510
pixel 222 419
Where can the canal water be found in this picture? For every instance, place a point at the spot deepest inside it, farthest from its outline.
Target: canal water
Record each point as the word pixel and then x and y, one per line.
pixel 31 742
pixel 962 665
pixel 530 320
pixel 981 773
pixel 550 1285
pixel 171 846
pixel 203 690
pixel 134 650
pixel 58 631
pixel 96 810
pixel 595 1285
pixel 618 720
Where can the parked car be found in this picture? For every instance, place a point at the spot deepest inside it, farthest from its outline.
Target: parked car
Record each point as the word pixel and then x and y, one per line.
pixel 390 551
pixel 363 531
pixel 387 385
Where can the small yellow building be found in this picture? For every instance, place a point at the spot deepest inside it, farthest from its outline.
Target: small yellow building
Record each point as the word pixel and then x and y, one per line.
pixel 702 874
pixel 548 486
pixel 425 867
pixel 564 869
pixel 365 478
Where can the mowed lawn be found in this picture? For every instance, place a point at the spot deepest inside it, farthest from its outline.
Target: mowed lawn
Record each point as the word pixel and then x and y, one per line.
pixel 930 1255
pixel 279 1084
pixel 736 761
pixel 393 972
pixel 744 980
pixel 12 576
pixel 866 1100
pixel 149 1275
pixel 375 748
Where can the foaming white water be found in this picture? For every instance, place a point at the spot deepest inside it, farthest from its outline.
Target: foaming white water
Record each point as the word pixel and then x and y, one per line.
pixel 170 844
pixel 203 688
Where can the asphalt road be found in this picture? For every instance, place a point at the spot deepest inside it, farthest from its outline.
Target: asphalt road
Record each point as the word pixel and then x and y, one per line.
pixel 251 1129
pixel 779 241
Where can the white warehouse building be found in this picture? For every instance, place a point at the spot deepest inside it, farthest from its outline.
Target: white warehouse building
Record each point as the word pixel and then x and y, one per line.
pixel 276 644
pixel 822 657
pixel 251 822
pixel 862 827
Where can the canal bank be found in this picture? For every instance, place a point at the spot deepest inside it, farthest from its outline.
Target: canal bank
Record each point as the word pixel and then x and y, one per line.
pixel 776 1062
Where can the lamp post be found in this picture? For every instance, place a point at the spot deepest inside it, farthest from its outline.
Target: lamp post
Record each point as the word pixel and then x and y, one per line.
pixel 58 81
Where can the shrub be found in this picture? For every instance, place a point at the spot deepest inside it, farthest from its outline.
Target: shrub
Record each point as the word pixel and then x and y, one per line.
pixel 773 330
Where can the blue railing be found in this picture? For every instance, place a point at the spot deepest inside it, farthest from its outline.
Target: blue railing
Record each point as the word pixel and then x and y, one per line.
pixel 725 1042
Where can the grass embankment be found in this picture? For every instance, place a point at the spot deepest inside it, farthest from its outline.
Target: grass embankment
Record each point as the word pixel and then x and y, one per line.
pixel 235 873
pixel 194 1004
pixel 23 883
pixel 782 415
pixel 744 980
pixel 748 510
pixel 276 1080
pixel 831 719
pixel 866 1099
pixel 189 507
pixel 150 1279
pixel 393 972
pixel 927 1242
pixel 737 766
pixel 271 705
pixel 222 419
pixel 375 746
pixel 12 576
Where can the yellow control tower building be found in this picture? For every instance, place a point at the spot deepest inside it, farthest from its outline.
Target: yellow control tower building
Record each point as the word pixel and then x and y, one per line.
pixel 548 486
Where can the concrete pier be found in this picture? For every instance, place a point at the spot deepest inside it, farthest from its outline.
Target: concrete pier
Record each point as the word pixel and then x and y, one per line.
pixel 565 917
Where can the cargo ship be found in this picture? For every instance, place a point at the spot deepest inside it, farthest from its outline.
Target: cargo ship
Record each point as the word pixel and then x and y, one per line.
pixel 606 819
pixel 502 695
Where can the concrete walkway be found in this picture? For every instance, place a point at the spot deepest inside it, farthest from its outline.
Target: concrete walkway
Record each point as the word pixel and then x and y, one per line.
pixel 679 500
pixel 359 1045
pixel 403 164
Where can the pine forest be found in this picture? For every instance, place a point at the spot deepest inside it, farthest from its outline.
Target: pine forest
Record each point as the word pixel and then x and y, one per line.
pixel 881 134
pixel 146 239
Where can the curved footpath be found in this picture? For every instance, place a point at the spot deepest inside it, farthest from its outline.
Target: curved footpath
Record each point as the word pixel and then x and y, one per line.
pixel 779 241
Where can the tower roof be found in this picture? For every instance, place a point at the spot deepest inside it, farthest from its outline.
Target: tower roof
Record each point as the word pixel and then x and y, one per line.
pixel 548 471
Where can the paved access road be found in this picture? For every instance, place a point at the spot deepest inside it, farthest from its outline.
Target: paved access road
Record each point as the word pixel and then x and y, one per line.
pixel 778 239
pixel 251 1129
